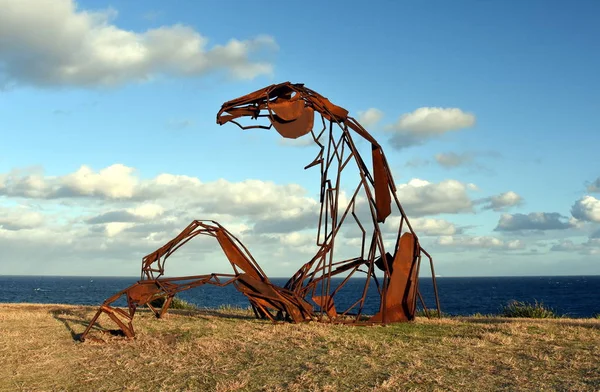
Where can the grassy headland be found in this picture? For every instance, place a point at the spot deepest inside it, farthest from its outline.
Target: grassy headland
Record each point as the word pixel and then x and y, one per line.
pixel 227 350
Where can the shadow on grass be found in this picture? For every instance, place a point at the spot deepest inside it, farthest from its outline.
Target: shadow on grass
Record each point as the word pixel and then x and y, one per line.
pixel 74 318
pixel 218 313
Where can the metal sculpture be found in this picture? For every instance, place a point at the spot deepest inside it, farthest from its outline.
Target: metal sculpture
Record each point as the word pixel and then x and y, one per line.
pixel 310 294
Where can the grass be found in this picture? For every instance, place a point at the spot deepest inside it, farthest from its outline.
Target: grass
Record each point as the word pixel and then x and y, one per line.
pixel 176 303
pixel 536 310
pixel 181 304
pixel 227 350
pixel 432 313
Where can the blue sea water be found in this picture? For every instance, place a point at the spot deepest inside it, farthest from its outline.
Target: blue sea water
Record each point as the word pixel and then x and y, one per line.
pixel 573 296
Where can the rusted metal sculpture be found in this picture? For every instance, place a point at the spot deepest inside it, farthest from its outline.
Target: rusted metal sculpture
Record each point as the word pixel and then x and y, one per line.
pixel 310 294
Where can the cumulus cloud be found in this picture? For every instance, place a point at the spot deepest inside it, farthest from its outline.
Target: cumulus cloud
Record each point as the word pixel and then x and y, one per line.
pixel 19 219
pixel 576 223
pixel 268 203
pixel 297 242
pixel 147 211
pixel 115 209
pixel 424 227
pixel 27 182
pixel 295 219
pixel 428 122
pixel 118 215
pixel 565 246
pixel 433 227
pixel 533 221
pixel 370 117
pixel 123 229
pixel 594 186
pixel 114 228
pixel 420 197
pixel 253 197
pixel 113 182
pixel 586 209
pixel 485 242
pixel 590 247
pixel 502 201
pixel 85 48
pixel 452 159
pixel 66 248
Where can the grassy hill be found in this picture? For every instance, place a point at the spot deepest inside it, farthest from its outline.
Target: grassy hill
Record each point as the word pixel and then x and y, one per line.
pixel 228 350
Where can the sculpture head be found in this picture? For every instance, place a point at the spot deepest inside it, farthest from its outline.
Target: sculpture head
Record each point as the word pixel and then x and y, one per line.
pixel 288 107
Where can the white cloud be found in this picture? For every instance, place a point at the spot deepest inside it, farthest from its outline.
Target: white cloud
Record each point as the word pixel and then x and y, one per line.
pixel 435 121
pixel 565 246
pixel 304 141
pixel 112 246
pixel 485 242
pixel 428 122
pixel 144 212
pixel 119 216
pixel 253 197
pixel 533 221
pixel 424 227
pixel 113 182
pixel 576 223
pixel 27 182
pixel 147 211
pixel 420 197
pixel 264 200
pixel 370 117
pixel 297 239
pixel 114 228
pixel 62 248
pixel 433 227
pixel 590 247
pixel 586 209
pixel 502 201
pixel 175 181
pixel 19 218
pixel 85 48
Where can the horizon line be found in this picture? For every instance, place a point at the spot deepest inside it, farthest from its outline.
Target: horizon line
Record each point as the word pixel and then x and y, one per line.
pixel 285 277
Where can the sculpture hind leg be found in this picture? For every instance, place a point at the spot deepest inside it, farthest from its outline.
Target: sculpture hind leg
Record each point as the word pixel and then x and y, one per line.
pixel 138 294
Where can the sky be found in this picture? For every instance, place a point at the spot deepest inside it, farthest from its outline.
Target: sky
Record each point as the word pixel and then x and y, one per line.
pixel 487 113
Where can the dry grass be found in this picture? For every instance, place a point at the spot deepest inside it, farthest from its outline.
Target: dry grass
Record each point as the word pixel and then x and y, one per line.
pixel 206 351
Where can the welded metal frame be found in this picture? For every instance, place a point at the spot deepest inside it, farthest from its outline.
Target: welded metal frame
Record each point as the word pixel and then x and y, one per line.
pixel 290 110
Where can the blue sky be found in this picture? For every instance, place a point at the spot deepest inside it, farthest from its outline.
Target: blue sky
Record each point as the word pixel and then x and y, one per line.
pixel 510 162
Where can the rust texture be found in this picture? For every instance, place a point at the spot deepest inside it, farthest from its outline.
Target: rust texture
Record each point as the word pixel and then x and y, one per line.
pixel 310 294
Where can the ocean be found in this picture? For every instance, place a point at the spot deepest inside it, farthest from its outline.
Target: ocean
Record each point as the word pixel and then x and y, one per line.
pixel 572 296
